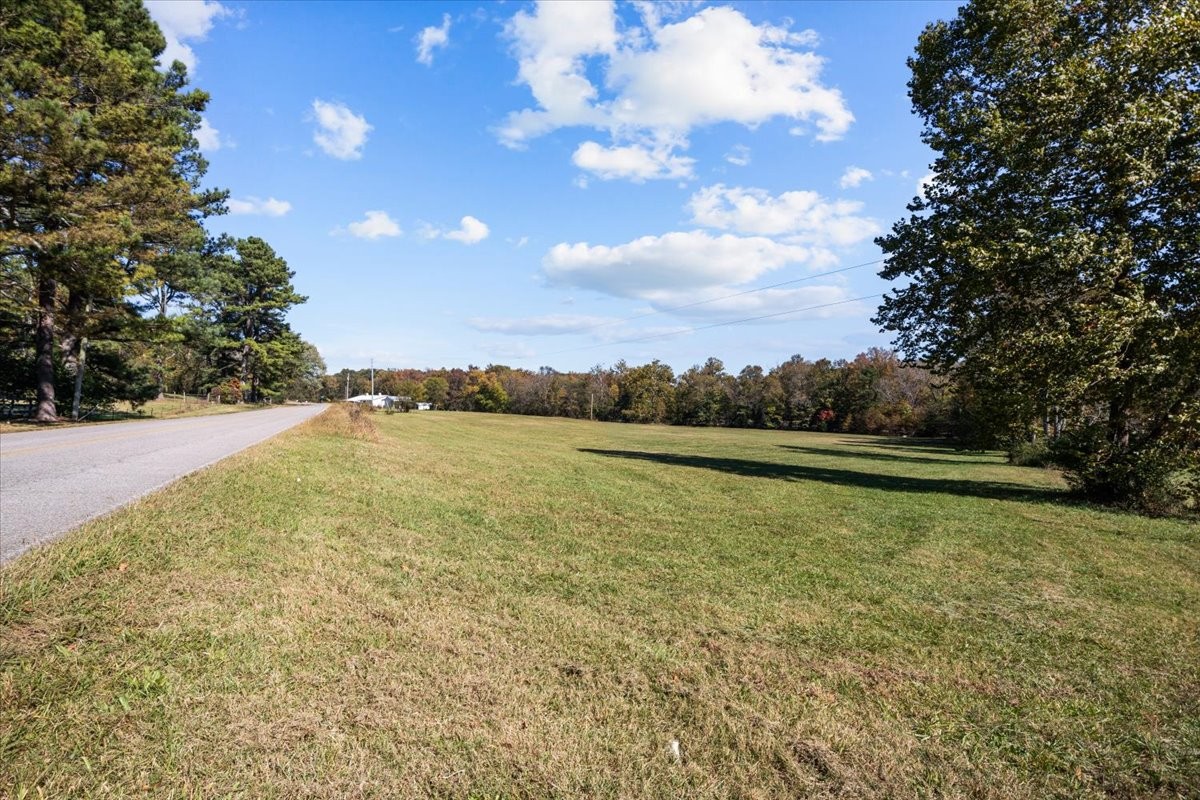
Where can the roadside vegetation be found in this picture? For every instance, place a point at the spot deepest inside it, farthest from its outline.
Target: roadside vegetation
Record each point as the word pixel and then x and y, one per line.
pixel 172 406
pixel 165 407
pixel 469 605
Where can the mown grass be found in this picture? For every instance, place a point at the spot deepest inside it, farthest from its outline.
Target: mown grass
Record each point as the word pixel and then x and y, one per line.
pixel 455 605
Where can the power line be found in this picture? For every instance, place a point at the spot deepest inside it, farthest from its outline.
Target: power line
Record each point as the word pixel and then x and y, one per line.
pixel 722 297
pixel 714 325
pixel 697 328
pixel 743 293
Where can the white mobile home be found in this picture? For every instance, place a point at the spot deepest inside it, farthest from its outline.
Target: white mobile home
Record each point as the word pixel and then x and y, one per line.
pixel 376 400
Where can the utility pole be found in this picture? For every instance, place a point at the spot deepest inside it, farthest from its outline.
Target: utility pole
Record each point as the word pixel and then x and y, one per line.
pixel 592 406
pixel 347 383
pixel 372 377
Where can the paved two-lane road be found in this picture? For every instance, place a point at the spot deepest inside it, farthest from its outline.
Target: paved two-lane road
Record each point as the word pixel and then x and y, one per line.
pixel 52 481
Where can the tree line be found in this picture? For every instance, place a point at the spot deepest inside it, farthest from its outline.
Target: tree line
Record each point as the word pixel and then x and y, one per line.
pixel 110 288
pixel 875 392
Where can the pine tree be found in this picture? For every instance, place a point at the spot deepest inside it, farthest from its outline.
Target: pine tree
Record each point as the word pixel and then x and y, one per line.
pixel 98 164
pixel 251 294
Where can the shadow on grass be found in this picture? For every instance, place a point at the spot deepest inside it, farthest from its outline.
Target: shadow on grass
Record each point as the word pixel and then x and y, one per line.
pixel 933 457
pixel 994 490
pixel 917 445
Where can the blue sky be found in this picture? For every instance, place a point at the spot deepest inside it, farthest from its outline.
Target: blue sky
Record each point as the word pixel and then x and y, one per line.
pixel 545 184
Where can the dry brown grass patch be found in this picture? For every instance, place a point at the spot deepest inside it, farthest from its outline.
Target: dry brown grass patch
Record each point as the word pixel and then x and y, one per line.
pixel 347 420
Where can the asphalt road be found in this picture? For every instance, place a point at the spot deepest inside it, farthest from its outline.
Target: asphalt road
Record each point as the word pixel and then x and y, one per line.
pixel 52 481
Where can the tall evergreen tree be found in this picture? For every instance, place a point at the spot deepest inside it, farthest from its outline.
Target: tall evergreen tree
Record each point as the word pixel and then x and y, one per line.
pixel 250 296
pixel 98 162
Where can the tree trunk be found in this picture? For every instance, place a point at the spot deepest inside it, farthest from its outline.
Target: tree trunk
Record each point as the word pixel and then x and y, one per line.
pixel 1118 422
pixel 46 410
pixel 80 365
pixel 245 368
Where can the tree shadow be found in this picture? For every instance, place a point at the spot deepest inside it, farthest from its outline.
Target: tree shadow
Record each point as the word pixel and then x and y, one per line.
pixel 934 457
pixel 993 490
pixel 916 444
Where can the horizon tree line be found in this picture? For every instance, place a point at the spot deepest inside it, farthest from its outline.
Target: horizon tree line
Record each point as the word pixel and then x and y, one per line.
pixel 875 392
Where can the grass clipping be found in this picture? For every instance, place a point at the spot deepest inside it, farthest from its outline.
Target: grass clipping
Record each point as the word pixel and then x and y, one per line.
pixel 347 420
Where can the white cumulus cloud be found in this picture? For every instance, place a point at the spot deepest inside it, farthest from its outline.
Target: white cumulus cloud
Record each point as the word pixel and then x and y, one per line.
pixel 654 85
pixel 470 231
pixel 184 19
pixel 658 268
pixel 739 155
pixel 634 162
pixel 257 206
pixel 804 216
pixel 340 132
pixel 717 66
pixel 854 176
pixel 374 225
pixel 208 137
pixel 654 12
pixel 433 38
pixel 550 46
pixel 924 184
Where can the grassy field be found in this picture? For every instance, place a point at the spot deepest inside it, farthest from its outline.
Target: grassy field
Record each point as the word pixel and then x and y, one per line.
pixel 459 605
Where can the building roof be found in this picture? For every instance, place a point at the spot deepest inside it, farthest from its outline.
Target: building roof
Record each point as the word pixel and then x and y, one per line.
pixel 362 398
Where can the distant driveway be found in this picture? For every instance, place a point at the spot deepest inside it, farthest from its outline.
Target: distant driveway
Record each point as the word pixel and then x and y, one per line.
pixel 52 481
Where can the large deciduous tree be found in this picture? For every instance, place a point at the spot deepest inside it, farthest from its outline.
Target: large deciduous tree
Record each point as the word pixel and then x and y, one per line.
pixel 306 380
pixel 1055 257
pixel 98 164
pixel 647 392
pixel 704 395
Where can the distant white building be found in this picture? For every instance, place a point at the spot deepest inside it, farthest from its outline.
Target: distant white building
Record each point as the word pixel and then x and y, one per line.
pixel 424 406
pixel 376 400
